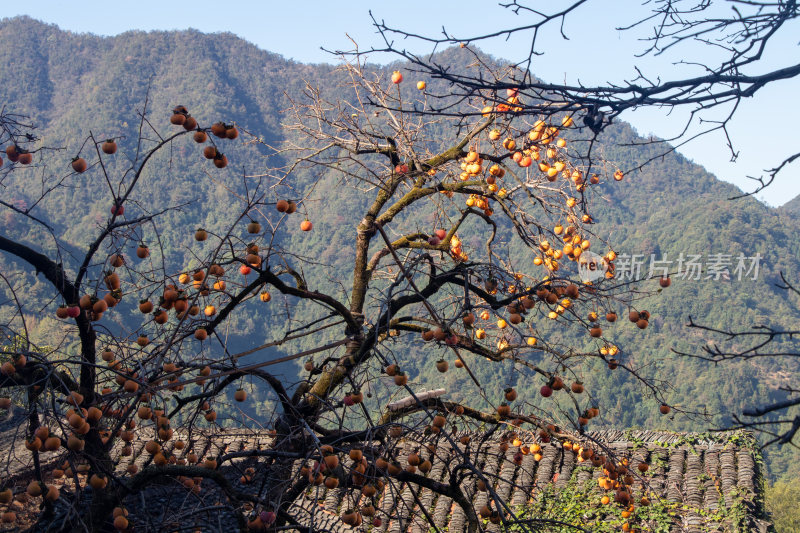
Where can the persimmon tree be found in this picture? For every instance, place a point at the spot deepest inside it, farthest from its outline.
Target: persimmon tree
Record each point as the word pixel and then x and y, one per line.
pixel 468 242
pixel 743 43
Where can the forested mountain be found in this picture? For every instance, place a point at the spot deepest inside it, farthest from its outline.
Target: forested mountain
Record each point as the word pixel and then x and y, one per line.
pixel 792 207
pixel 71 85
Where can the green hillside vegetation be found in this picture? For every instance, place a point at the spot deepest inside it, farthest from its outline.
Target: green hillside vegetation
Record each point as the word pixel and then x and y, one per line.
pixel 71 85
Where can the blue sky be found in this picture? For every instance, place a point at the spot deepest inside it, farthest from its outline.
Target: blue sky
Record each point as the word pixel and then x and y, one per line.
pixel 763 131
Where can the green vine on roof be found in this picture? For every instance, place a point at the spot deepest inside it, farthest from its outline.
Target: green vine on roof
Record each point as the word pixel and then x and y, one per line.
pixel 579 504
pixel 738 438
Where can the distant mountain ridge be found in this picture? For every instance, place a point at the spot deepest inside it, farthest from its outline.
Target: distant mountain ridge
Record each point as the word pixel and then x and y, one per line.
pixel 791 207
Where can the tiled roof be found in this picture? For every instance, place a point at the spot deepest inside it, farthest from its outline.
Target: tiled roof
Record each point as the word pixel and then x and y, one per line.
pixel 709 482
